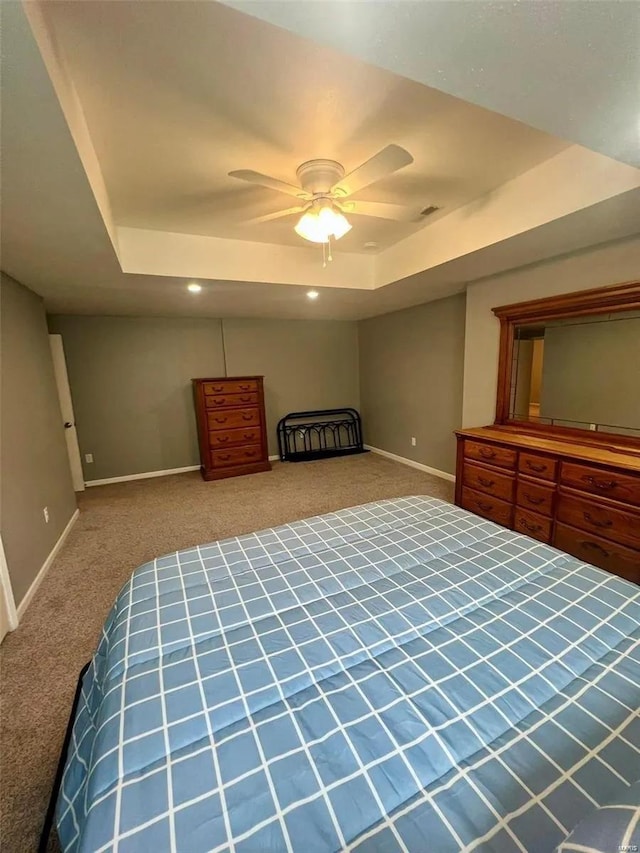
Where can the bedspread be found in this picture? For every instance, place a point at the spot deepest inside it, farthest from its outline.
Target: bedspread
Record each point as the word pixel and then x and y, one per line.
pixel 402 675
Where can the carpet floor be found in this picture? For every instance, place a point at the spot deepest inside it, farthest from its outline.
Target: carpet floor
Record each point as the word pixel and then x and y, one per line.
pixel 120 527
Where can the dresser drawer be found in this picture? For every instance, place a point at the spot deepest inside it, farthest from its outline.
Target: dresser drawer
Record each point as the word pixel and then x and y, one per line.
pixel 221 401
pixel 544 467
pixel 599 552
pixel 601 519
pixel 488 507
pixel 236 456
pixel 534 496
pixel 532 524
pixel 490 481
pixel 492 454
pixel 609 484
pixel 233 418
pixel 230 386
pixel 226 438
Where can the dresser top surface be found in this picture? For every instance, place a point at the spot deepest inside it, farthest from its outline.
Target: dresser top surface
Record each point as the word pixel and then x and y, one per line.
pixel 224 378
pixel 603 454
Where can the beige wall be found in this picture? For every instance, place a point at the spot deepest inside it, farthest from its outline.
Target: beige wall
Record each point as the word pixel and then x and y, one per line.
pixel 610 264
pixel 307 364
pixel 131 380
pixel 411 365
pixel 33 456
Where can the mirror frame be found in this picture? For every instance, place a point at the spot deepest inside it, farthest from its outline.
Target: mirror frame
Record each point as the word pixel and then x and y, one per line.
pixel 583 303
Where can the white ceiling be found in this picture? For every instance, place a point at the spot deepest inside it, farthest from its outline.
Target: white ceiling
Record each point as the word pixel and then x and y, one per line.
pixel 56 234
pixel 196 90
pixel 569 67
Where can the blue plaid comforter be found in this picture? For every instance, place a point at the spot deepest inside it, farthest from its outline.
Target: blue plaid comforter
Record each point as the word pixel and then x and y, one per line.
pixel 397 676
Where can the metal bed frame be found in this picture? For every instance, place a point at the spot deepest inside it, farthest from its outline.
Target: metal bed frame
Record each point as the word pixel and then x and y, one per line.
pixel 319 434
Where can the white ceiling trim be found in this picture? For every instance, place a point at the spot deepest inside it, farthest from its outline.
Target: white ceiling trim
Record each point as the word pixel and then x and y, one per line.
pixel 571 181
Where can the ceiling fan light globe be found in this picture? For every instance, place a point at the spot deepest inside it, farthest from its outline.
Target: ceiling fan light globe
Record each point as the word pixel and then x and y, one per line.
pixel 334 223
pixel 310 228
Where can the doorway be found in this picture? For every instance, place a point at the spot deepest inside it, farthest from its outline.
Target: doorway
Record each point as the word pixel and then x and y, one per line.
pixel 66 407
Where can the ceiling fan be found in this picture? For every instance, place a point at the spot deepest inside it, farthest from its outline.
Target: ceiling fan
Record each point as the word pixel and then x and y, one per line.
pixel 323 189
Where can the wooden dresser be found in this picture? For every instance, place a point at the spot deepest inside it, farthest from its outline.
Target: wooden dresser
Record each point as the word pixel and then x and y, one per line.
pixel 582 498
pixel 231 426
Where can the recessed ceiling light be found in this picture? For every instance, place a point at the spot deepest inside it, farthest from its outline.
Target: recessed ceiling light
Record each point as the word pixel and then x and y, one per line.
pixel 194 287
pixel 312 294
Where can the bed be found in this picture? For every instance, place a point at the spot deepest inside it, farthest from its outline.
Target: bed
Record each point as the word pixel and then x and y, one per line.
pixel 402 675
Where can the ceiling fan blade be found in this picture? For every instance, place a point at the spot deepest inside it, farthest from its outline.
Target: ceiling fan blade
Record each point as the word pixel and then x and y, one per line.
pixel 270 183
pixel 271 216
pixel 384 163
pixel 395 212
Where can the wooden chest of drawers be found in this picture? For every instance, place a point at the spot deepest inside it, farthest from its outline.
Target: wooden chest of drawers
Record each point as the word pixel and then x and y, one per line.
pixel 231 426
pixel 585 500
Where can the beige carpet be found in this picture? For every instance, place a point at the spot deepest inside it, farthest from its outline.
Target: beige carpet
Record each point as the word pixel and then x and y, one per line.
pixel 121 526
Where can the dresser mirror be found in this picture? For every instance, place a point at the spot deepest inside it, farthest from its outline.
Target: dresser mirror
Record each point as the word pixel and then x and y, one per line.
pixel 571 364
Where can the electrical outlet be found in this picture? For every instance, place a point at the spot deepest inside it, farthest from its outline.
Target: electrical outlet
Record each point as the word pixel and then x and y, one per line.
pixel 413 441
pixel 45 512
pixel 88 457
pixel 592 427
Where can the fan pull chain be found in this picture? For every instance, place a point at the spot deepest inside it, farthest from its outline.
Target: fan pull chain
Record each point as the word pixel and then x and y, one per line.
pixel 324 260
pixel 330 258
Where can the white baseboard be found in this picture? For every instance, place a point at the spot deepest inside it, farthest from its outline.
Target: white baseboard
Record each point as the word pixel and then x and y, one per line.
pixel 46 566
pixel 275 458
pixel 410 462
pixel 145 476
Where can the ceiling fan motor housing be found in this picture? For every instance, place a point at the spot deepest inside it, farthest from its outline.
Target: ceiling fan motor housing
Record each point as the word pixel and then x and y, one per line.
pixel 318 176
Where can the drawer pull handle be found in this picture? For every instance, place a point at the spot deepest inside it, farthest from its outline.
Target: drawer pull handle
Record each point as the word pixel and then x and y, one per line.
pixel 220 420
pixel 219 401
pixel 532 528
pixel 600 484
pixel 249 435
pixel 246 399
pixel 218 389
pixel 222 439
pixel 588 517
pixel 225 457
pixel 250 453
pixel 596 547
pixel 487 483
pixel 536 466
pixel 245 387
pixel 246 417
pixel 485 506
pixel 486 453
pixel 532 499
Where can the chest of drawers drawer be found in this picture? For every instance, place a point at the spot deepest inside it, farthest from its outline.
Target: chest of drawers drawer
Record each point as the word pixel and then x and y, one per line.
pixel 233 418
pixel 219 439
pixel 536 465
pixel 534 496
pixel 225 401
pixel 612 484
pixel 600 518
pixel 488 507
pixel 532 524
pixel 490 481
pixel 230 386
pixel 236 455
pixel 492 454
pixel 601 552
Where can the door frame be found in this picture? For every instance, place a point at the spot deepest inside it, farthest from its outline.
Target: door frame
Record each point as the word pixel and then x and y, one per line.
pixel 66 411
pixel 7 604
